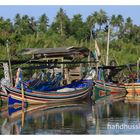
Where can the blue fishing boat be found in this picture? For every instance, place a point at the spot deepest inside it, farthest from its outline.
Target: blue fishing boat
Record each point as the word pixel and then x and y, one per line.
pixel 72 92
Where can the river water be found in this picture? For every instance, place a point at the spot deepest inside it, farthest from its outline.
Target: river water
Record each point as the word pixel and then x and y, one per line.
pixel 72 118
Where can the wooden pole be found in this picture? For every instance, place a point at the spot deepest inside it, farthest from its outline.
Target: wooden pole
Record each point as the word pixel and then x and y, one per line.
pixel 90 48
pixel 97 69
pixel 138 69
pixel 23 117
pixel 22 90
pixel 62 70
pixel 107 53
pixel 81 75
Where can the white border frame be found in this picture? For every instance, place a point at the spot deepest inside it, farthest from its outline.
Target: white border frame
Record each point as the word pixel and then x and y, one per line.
pixel 69 2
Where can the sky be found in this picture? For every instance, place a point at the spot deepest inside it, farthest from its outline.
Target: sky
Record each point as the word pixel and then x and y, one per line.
pixel 37 11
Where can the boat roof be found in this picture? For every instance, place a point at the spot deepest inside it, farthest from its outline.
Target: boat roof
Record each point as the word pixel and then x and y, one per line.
pixel 66 52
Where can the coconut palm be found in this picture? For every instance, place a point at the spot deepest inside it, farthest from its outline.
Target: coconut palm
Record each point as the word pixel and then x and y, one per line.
pixel 17 23
pixel 129 23
pixel 102 18
pixel 91 22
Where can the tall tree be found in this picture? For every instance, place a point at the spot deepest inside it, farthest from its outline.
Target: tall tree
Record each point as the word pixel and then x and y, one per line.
pixel 33 24
pixel 25 25
pixel 61 24
pixel 120 21
pixel 43 23
pixel 114 21
pixel 78 27
pixel 6 29
pixel 91 22
pixel 101 18
pixel 17 23
pixel 128 23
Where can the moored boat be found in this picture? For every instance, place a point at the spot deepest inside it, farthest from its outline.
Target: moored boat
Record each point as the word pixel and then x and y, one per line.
pixel 133 86
pixel 133 90
pixel 45 59
pixel 75 91
pixel 103 90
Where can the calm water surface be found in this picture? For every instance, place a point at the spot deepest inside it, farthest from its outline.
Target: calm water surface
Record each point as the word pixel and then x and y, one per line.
pixel 72 118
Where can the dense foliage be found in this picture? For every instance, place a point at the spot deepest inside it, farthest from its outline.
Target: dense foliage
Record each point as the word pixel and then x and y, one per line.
pixel 28 32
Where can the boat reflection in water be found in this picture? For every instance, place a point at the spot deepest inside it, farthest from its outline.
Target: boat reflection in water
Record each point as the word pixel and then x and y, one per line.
pixel 72 118
pixel 65 118
pixel 116 118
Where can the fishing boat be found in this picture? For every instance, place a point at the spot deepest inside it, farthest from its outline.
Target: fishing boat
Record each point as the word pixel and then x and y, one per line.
pixel 33 84
pixel 72 92
pixel 133 88
pixel 51 58
pixel 103 87
pixel 109 91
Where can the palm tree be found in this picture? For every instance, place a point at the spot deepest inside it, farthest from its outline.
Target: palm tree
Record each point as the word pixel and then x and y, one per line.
pixel 117 21
pixel 120 21
pixel 1 23
pixel 128 27
pixel 129 23
pixel 91 21
pixel 17 23
pixel 17 19
pixel 114 21
pixel 101 18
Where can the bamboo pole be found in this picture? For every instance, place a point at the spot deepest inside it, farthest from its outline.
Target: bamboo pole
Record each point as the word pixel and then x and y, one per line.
pixel 138 69
pixel 22 90
pixel 62 70
pixel 23 117
pixel 97 69
pixel 107 53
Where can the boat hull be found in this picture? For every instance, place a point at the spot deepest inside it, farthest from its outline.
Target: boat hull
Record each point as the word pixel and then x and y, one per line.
pixel 3 96
pixel 133 90
pixel 46 97
pixel 109 91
